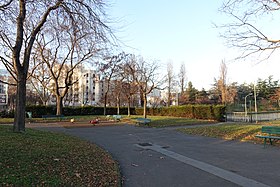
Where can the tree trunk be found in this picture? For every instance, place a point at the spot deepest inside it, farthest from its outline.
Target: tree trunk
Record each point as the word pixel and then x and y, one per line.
pixel 59 105
pixel 19 121
pixel 128 107
pixel 145 106
pixel 105 103
pixel 141 100
pixel 118 105
pixel 169 96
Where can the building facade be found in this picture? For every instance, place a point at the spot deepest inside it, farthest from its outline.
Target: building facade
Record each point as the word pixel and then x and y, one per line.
pixel 3 90
pixel 88 89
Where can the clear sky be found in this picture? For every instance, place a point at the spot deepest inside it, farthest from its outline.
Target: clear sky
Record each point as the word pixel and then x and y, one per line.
pixel 183 31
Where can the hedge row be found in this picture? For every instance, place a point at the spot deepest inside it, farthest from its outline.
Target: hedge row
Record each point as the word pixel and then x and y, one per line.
pixel 207 112
pixel 38 111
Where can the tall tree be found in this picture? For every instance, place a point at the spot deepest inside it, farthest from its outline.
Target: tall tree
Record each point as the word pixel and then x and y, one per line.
pixel 182 77
pixel 267 87
pixel 110 70
pixel 146 78
pixel 64 53
pixel 129 86
pixel 40 80
pixel 222 82
pixel 191 93
pixel 170 79
pixel 31 18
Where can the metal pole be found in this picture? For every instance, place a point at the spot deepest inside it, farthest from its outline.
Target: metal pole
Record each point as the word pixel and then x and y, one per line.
pixel 245 106
pixel 246 103
pixel 256 108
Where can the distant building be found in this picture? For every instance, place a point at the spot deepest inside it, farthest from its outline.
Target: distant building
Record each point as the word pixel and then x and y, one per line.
pixel 88 89
pixel 3 89
pixel 154 99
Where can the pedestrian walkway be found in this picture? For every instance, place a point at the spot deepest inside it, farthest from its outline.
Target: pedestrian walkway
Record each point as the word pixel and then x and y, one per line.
pixel 165 157
pixel 227 175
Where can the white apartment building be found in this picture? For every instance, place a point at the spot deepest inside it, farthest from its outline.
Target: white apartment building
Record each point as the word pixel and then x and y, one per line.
pixel 154 98
pixel 3 89
pixel 88 90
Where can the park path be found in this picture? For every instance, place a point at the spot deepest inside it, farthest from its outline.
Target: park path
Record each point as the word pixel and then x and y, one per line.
pixel 151 157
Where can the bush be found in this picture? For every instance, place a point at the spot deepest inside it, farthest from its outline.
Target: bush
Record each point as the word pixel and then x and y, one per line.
pixel 39 110
pixel 6 114
pixel 207 112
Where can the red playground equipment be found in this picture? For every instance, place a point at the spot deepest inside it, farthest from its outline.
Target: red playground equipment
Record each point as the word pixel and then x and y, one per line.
pixel 95 121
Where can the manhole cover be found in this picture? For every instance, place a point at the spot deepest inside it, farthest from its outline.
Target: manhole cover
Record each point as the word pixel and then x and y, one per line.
pixel 145 144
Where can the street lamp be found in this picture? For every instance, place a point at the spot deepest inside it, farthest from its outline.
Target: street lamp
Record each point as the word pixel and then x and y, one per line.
pixel 246 102
pixel 256 108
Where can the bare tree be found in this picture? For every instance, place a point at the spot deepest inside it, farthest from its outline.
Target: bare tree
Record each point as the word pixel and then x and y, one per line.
pixel 246 30
pixel 170 79
pixel 222 82
pixel 110 69
pixel 21 22
pixel 129 86
pixel 40 80
pixel 225 91
pixel 146 78
pixel 63 53
pixel 182 76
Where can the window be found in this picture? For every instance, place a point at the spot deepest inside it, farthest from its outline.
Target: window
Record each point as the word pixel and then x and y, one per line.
pixel 2 89
pixel 76 97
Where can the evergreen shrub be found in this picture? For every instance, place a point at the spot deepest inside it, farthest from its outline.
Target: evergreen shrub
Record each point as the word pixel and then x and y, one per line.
pixel 207 112
pixel 39 110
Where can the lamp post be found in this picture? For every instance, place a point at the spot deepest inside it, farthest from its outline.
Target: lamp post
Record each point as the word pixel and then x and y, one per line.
pixel 256 108
pixel 246 103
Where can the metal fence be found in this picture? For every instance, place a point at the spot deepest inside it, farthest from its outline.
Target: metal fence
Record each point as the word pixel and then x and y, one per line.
pixel 253 117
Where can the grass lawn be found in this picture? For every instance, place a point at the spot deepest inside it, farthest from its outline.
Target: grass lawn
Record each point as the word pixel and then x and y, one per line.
pixel 241 132
pixel 6 120
pixel 168 121
pixel 41 120
pixel 157 121
pixel 37 158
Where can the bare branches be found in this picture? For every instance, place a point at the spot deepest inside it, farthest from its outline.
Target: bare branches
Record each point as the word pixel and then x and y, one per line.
pixel 36 30
pixel 244 32
pixel 5 4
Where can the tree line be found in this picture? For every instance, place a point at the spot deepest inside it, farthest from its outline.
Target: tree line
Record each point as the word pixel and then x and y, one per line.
pixel 40 36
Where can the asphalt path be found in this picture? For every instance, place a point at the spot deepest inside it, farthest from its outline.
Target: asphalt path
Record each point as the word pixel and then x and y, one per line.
pixel 151 157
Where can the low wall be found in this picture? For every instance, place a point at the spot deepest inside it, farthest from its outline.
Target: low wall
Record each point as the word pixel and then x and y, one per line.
pixel 252 117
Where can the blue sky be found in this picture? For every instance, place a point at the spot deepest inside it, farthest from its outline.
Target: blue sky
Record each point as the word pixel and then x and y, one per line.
pixel 183 31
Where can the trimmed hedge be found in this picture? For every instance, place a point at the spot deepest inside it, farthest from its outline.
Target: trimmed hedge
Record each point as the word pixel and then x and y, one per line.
pixel 38 111
pixel 207 112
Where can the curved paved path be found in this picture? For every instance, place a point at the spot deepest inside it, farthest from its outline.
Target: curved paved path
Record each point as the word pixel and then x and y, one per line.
pixel 150 157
